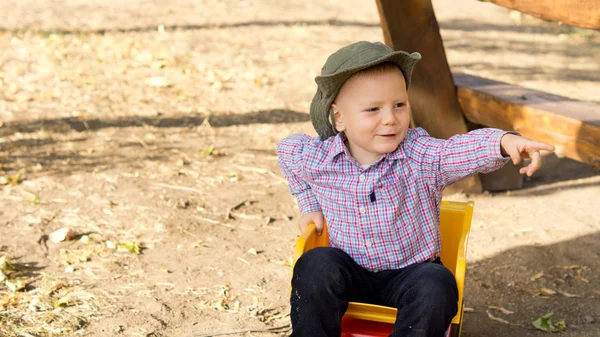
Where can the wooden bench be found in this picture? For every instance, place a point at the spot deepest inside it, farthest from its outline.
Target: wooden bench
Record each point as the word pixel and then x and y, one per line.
pixel 443 108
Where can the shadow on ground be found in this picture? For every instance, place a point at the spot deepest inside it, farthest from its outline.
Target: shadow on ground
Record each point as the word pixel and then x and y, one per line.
pixel 571 267
pixel 67 124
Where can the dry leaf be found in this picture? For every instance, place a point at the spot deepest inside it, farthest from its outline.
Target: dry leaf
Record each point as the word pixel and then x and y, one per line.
pixel 537 276
pixel 5 265
pixel 566 294
pixel 544 292
pixel 128 246
pixel 198 243
pixel 63 234
pixel 571 267
pixel 16 285
pixel 252 251
pixel 503 310
pixel 492 317
pixel 467 309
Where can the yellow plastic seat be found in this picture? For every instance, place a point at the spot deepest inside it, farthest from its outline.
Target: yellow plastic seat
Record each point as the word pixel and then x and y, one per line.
pixel 455 224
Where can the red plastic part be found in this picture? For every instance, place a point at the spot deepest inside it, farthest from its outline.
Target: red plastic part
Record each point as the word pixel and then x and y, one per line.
pixel 352 327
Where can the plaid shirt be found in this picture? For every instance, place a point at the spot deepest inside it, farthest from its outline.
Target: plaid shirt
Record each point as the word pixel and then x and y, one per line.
pixel 387 215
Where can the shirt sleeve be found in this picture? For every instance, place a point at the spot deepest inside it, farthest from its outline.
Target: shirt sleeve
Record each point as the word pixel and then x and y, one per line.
pixel 448 161
pixel 291 160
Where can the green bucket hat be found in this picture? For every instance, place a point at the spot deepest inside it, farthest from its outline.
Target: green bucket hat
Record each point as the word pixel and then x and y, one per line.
pixel 344 63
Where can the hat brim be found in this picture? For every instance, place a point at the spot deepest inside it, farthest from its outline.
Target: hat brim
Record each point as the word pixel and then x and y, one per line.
pixel 330 85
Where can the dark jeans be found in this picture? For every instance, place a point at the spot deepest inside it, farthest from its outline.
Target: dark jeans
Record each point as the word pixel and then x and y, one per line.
pixel 325 279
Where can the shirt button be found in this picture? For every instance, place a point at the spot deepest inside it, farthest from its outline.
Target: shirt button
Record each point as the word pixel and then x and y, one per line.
pixel 362 210
pixel 361 177
pixel 368 243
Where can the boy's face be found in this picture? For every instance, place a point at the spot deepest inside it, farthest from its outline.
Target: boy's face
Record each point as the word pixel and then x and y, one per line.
pixel 373 111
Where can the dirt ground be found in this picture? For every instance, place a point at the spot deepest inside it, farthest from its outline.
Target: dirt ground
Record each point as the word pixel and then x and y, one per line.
pixel 152 125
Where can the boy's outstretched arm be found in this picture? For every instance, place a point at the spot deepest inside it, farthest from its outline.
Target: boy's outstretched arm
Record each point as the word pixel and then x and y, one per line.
pixel 480 151
pixel 519 148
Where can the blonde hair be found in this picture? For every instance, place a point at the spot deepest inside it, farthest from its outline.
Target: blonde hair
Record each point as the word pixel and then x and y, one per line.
pixel 377 69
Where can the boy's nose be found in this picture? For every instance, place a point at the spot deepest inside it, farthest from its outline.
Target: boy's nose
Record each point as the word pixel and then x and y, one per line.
pixel 388 118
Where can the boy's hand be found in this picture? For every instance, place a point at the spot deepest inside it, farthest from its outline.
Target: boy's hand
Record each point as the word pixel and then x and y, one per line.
pixel 316 217
pixel 514 146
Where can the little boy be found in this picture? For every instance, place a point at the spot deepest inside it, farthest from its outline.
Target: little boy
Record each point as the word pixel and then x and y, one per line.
pixel 379 185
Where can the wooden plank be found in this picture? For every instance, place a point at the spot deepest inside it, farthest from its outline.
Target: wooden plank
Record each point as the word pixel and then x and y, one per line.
pixel 572 126
pixel 411 25
pixel 580 13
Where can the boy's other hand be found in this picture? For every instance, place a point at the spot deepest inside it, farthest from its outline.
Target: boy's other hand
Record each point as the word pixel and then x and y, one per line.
pixel 316 217
pixel 519 148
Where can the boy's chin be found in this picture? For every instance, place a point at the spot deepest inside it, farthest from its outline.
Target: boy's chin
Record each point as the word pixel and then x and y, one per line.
pixel 387 148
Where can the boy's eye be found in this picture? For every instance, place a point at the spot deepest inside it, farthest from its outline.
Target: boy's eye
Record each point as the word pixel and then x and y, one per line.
pixel 372 109
pixel 399 105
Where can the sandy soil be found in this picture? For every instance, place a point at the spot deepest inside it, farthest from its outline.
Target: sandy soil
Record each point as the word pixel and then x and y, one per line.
pixel 153 124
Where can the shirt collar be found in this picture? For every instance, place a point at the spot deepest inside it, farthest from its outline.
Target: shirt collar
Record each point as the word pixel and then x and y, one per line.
pixel 338 147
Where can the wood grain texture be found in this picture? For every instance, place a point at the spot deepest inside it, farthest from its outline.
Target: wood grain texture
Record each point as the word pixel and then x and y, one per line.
pixel 580 13
pixel 572 126
pixel 410 25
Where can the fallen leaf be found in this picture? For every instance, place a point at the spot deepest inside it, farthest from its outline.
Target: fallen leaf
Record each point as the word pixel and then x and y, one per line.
pixel 209 150
pixel 581 279
pixel 65 301
pixel 63 234
pixel 544 292
pixel 165 270
pixel 537 276
pixel 503 310
pixel 12 180
pixel 198 243
pixel 497 319
pixel 252 251
pixel 467 309
pixel 571 267
pixel 5 265
pixel 566 294
pixel 544 323
pixel 35 201
pixel 16 285
pixel 246 262
pixel 110 245
pixel 128 246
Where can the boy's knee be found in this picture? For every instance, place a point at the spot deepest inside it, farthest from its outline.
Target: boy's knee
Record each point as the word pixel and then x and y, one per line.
pixel 437 281
pixel 320 264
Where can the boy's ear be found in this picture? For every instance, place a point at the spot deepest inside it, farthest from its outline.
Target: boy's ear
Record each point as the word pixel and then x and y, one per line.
pixel 338 121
